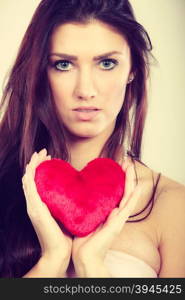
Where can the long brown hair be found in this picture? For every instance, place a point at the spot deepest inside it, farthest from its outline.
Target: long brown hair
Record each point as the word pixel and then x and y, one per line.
pixel 30 120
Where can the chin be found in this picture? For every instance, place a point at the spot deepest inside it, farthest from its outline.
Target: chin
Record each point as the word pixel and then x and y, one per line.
pixel 85 132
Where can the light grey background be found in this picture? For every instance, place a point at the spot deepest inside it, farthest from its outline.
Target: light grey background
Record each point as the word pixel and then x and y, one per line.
pixel 164 138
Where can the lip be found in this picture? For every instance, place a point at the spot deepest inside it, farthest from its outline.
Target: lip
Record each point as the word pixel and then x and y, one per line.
pixel 86 113
pixel 86 107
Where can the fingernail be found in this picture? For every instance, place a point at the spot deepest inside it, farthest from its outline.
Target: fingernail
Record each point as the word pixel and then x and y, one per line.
pixel 43 151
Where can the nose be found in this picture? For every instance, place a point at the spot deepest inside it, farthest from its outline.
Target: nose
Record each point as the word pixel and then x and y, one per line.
pixel 85 87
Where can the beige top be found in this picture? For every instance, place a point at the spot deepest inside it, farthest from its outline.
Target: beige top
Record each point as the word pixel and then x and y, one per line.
pixel 124 265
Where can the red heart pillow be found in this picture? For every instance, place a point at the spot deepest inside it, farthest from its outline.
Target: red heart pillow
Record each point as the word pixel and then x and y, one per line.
pixel 80 200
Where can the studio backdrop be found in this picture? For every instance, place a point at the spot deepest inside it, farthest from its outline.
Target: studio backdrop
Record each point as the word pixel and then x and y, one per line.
pixel 163 147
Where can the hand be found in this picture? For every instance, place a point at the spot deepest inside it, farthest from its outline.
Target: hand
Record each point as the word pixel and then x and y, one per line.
pixel 52 240
pixel 91 250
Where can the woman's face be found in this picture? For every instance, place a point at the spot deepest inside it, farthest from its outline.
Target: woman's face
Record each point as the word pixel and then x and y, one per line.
pixel 88 71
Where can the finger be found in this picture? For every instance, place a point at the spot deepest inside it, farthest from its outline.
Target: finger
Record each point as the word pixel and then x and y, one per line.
pixel 113 213
pixel 110 220
pixel 24 182
pixel 109 230
pixel 42 153
pixel 118 217
pixel 30 168
pixel 33 199
pixel 38 156
pixel 28 179
pixel 126 163
pixel 129 188
pixel 130 183
pixel 130 180
pixel 126 211
pixel 37 159
pixel 33 157
pixel 42 157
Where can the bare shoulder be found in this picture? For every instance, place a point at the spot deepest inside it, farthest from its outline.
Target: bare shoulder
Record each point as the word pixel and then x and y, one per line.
pixel 170 204
pixel 171 197
pixel 166 222
pixel 169 217
pixel 165 185
pixel 169 194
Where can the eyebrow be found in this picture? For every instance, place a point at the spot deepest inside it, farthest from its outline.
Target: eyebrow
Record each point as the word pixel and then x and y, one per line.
pixel 73 57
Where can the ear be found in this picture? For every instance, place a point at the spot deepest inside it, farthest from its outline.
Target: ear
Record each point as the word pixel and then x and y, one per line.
pixel 130 78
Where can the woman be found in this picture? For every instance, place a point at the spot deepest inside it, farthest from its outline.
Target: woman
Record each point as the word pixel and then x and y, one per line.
pixel 80 72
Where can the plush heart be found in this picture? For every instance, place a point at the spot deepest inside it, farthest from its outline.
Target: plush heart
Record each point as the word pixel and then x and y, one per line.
pixel 80 200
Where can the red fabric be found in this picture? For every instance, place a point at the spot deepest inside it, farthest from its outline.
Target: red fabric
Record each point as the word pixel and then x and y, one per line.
pixel 80 200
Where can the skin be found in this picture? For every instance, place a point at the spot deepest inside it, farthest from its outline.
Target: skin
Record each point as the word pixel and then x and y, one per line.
pixel 88 84
pixel 87 253
pixel 85 81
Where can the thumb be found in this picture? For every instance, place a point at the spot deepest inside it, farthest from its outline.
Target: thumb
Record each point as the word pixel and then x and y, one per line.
pixel 135 197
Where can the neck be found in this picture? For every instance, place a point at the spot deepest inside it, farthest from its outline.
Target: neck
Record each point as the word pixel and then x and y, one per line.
pixel 83 150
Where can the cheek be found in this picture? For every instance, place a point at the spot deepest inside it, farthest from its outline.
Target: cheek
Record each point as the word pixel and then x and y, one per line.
pixel 60 90
pixel 114 85
pixel 115 93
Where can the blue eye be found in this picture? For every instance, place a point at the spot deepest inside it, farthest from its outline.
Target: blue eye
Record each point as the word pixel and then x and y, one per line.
pixel 109 64
pixel 62 65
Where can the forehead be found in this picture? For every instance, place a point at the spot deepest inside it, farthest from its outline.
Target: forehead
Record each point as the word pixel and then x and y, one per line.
pixel 96 37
